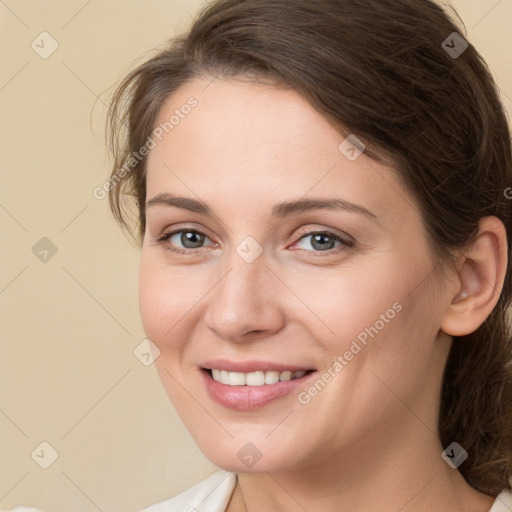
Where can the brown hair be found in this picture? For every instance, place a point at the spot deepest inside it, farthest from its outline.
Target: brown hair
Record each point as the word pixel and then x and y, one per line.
pixel 379 69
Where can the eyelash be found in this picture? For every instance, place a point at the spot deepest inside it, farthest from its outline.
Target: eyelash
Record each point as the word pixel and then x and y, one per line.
pixel 346 244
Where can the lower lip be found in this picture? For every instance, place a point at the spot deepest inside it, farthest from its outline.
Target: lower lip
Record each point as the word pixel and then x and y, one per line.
pixel 248 398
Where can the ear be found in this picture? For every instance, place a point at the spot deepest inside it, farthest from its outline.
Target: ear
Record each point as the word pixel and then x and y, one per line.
pixel 481 274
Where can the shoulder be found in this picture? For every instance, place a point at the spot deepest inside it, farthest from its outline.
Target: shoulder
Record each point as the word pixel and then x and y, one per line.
pixel 503 502
pixel 210 495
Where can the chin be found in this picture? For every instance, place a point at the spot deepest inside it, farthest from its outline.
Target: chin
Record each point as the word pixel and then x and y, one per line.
pixel 249 457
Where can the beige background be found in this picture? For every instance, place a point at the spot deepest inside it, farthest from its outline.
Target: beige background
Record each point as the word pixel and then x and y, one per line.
pixel 69 325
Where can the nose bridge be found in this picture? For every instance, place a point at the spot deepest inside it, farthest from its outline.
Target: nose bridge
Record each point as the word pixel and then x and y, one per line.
pixel 244 300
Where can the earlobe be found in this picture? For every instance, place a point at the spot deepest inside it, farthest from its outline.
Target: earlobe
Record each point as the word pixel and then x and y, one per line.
pixel 480 279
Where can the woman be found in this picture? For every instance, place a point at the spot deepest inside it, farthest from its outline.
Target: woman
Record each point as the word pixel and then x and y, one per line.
pixel 324 277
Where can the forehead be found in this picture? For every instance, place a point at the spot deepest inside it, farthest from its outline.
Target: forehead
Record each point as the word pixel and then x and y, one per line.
pixel 246 140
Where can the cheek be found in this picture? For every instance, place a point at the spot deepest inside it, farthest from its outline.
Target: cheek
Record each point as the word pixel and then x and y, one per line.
pixel 339 304
pixel 376 315
pixel 167 297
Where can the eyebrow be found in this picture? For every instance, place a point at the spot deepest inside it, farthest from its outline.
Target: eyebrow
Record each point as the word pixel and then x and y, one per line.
pixel 279 210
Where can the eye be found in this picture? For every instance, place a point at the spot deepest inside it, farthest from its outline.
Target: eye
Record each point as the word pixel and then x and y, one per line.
pixel 324 242
pixel 191 239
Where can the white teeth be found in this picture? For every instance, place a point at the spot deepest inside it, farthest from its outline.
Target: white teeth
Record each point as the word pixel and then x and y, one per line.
pixel 271 377
pixel 236 379
pixel 254 378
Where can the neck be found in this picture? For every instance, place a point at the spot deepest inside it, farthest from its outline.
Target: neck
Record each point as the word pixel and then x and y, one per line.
pixel 389 472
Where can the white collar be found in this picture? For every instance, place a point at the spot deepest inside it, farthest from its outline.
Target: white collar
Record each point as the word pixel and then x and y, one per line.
pixel 209 495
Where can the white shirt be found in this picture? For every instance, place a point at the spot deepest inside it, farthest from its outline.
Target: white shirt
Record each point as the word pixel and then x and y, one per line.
pixel 213 494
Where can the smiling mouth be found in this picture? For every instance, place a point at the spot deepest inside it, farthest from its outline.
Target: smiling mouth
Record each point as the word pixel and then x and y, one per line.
pixel 257 378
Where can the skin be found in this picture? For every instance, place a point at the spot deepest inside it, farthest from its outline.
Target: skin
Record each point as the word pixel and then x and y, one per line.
pixel 369 437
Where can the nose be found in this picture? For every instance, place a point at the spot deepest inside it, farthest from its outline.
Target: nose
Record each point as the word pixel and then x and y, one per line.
pixel 245 305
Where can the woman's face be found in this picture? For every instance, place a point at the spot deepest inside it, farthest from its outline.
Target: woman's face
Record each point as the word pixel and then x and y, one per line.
pixel 270 281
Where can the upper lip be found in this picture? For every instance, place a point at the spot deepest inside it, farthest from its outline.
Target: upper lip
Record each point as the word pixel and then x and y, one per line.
pixel 252 366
